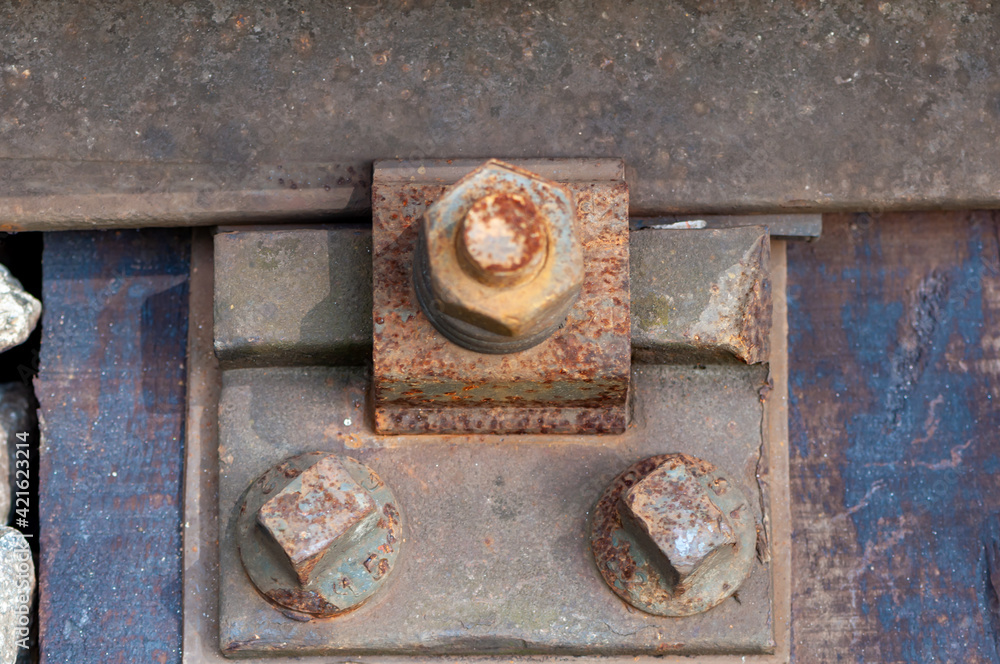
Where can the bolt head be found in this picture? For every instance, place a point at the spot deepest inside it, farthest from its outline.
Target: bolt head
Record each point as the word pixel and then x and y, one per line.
pixel 502 251
pixel 672 535
pixel 318 534
pixel 317 516
pixel 675 511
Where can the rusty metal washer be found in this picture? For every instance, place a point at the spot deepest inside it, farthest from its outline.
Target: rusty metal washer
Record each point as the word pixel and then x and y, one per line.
pixel 345 582
pixel 693 514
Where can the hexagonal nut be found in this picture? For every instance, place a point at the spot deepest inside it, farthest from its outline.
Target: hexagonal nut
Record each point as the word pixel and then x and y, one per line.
pixel 516 307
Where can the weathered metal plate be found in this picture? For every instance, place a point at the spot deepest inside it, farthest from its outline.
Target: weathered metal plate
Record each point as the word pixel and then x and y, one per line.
pixel 496 556
pixel 202 577
pixel 192 113
pixel 293 296
pixel 704 296
pixel 576 381
pixel 329 321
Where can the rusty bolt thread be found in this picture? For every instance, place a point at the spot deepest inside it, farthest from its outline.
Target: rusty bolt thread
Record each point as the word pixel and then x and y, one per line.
pixel 470 335
pixel 502 240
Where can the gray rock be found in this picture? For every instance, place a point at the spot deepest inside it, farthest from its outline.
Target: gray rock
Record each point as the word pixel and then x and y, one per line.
pixel 17 588
pixel 19 311
pixel 15 418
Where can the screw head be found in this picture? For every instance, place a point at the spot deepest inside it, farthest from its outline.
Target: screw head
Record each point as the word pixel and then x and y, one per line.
pixel 673 536
pixel 499 262
pixel 318 534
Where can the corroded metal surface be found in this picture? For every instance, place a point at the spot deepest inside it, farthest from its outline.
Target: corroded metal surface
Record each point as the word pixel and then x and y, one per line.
pixel 168 113
pixel 576 381
pixel 499 259
pixel 275 434
pixel 503 239
pixel 496 558
pixel 673 536
pixel 317 515
pixel 318 534
pixel 674 511
pixel 329 321
pixel 704 295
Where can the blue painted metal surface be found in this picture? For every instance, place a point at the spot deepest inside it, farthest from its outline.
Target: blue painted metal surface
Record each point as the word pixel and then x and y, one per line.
pixel 111 389
pixel 894 337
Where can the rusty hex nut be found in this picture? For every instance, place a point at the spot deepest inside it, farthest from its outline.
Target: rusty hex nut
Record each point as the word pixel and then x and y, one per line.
pixel 499 263
pixel 318 533
pixel 673 536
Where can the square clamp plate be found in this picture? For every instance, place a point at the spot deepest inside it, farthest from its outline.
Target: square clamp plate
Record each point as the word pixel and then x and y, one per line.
pixel 576 381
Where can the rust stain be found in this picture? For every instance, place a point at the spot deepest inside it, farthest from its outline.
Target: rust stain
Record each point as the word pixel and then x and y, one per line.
pixel 675 512
pixel 744 327
pixel 503 238
pixel 484 281
pixel 690 562
pixel 755 343
pixel 576 381
pixel 306 601
pixel 323 502
pixel 337 529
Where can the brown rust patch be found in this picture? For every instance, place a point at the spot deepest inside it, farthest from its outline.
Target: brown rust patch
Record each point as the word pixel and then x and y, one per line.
pixel 324 543
pixel 755 340
pixel 325 503
pixel 508 419
pixel 576 381
pixel 306 601
pixel 676 513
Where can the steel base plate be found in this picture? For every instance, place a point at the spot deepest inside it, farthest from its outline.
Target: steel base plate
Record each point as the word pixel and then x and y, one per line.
pixel 496 560
pixel 573 382
pixel 496 555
